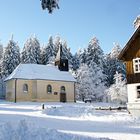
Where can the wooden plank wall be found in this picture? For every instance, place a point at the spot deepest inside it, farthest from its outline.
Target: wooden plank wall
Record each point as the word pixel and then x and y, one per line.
pixel 132 53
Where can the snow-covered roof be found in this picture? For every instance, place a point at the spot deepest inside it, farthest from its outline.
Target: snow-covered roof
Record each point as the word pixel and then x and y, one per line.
pixel 40 72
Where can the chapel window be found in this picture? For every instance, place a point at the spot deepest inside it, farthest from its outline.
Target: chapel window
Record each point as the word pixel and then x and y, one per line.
pixel 49 89
pixel 25 88
pixel 63 90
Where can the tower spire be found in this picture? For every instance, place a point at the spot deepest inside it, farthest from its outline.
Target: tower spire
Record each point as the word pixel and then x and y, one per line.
pixel 61 61
pixel 59 53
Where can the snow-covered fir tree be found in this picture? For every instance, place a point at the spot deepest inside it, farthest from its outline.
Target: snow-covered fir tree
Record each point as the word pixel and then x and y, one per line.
pixel 78 58
pixel 31 51
pixel 1 55
pixel 11 58
pixel 75 62
pixel 48 52
pixel 84 83
pixel 118 92
pixel 115 51
pixel 37 49
pixel 57 41
pixel 98 81
pixel 82 55
pixel 113 64
pixel 67 54
pixel 90 82
pixel 1 51
pixel 94 53
pixel 49 4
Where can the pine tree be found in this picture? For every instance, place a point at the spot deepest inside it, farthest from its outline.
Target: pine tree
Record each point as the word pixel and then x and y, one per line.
pixel 78 59
pixel 75 62
pixel 98 81
pixel 113 64
pixel 94 53
pixel 1 51
pixel 27 55
pixel 31 51
pixel 117 92
pixel 67 54
pixel 48 52
pixel 11 58
pixel 82 55
pixel 84 82
pixel 37 49
pixel 57 41
pixel 49 4
pixel 115 51
pixel 1 55
pixel 90 82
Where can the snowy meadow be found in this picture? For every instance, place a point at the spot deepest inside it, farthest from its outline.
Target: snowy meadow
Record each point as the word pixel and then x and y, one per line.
pixel 65 121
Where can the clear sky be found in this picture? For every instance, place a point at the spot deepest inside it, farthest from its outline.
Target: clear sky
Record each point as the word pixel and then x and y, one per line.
pixel 77 21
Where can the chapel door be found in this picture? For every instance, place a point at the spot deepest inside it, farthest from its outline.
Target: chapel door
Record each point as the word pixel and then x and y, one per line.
pixel 62 97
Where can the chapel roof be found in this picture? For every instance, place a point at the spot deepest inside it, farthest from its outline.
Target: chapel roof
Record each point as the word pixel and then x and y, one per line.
pixel 40 72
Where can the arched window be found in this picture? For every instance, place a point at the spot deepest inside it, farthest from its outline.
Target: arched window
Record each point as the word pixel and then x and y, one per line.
pixel 63 90
pixel 49 89
pixel 25 88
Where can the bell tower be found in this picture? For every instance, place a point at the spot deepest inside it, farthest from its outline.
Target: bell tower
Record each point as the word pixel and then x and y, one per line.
pixel 61 61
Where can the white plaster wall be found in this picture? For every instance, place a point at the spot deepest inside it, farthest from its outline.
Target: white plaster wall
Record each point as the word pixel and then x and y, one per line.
pixel 132 92
pixel 133 102
pixel 42 94
pixel 10 90
pixel 37 90
pixel 134 108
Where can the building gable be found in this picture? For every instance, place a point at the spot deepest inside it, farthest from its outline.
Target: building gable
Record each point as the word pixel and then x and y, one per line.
pixel 130 54
pixel 132 48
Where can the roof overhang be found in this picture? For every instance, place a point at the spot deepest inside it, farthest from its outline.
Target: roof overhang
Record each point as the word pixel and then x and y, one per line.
pixel 133 37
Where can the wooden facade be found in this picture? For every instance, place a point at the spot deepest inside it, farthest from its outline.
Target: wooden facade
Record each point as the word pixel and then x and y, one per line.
pixel 130 52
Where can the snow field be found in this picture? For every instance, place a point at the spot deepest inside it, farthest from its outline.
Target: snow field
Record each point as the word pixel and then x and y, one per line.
pixel 65 121
pixel 23 132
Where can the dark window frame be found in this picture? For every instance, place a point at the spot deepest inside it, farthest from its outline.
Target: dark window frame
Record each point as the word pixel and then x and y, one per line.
pixel 63 89
pixel 25 88
pixel 49 89
pixel 138 92
pixel 136 65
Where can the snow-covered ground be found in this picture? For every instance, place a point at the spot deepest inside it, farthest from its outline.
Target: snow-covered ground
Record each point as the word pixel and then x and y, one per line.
pixel 65 121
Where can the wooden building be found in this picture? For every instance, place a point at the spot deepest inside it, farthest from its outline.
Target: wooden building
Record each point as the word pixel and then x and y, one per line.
pixel 130 55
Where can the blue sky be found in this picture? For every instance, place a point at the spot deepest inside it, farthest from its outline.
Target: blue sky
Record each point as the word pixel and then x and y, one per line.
pixel 77 21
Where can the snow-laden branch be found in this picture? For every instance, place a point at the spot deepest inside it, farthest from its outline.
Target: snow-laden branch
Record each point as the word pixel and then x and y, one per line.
pixel 50 5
